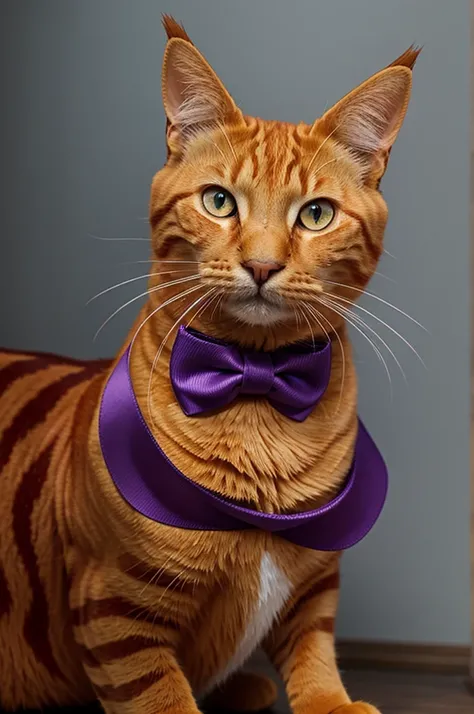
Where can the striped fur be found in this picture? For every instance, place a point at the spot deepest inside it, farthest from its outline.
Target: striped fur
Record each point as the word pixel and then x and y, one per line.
pixel 98 601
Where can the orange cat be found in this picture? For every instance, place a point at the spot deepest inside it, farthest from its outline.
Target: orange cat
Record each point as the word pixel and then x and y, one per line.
pixel 262 233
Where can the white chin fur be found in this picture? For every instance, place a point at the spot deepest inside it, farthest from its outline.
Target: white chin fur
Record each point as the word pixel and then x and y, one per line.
pixel 257 313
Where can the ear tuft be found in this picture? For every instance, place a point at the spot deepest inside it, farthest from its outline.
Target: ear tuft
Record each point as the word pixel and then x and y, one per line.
pixel 408 58
pixel 174 29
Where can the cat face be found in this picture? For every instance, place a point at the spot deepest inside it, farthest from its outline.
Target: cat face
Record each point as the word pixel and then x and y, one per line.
pixel 283 221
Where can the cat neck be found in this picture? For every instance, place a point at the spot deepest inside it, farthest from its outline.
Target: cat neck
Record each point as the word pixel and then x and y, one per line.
pixel 249 451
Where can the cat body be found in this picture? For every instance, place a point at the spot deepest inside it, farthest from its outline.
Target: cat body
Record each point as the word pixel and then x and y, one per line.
pixel 97 600
pixel 80 568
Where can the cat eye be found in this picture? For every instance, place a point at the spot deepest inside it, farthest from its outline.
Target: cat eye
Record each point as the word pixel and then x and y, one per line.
pixel 219 202
pixel 316 215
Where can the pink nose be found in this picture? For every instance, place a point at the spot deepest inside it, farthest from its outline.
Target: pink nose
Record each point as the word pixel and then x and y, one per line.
pixel 260 270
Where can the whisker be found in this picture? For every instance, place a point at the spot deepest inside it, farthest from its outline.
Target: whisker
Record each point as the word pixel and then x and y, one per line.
pixel 297 317
pixel 144 294
pixel 366 337
pixel 321 146
pixel 153 260
pixel 162 346
pixel 309 325
pixel 132 280
pixel 92 235
pixel 386 277
pixel 320 168
pixel 382 322
pixel 343 354
pixel 179 296
pixel 168 588
pixel 218 302
pixel 204 307
pixel 390 254
pixel 157 574
pixel 228 140
pixel 376 297
pixel 221 303
pixel 263 174
pixel 360 321
pixel 223 156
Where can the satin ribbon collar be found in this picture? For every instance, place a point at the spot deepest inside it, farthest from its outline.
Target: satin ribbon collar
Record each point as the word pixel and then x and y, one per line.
pixel 156 488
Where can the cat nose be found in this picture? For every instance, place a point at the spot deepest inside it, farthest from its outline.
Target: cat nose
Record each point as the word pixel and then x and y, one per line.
pixel 261 270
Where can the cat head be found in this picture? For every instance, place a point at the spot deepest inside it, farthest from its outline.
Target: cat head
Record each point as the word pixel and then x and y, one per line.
pixel 280 223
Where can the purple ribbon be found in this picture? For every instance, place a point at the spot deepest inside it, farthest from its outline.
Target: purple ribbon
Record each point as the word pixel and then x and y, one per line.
pixel 154 487
pixel 208 374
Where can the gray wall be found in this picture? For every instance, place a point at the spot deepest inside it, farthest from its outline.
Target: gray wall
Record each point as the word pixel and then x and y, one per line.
pixel 82 134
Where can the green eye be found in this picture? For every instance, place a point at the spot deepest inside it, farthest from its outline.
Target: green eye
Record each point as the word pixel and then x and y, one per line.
pixel 316 215
pixel 219 202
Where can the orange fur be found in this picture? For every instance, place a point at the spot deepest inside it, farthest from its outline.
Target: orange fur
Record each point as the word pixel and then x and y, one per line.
pixel 96 600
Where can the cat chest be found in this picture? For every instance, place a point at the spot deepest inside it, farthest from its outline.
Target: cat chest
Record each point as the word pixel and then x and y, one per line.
pixel 274 591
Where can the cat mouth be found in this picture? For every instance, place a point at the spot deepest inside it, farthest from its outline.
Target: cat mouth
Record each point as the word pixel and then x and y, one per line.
pixel 256 309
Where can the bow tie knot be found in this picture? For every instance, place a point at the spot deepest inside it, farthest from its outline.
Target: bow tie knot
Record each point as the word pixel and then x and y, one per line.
pixel 208 374
pixel 258 373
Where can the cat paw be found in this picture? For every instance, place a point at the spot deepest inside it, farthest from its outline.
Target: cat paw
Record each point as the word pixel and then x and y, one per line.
pixel 244 692
pixel 356 708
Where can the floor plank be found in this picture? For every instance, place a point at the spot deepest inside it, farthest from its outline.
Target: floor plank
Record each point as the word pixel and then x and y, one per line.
pixel 401 692
pixel 411 693
pixel 392 692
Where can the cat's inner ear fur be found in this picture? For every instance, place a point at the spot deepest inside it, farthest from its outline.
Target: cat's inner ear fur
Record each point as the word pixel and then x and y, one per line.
pixel 194 97
pixel 367 120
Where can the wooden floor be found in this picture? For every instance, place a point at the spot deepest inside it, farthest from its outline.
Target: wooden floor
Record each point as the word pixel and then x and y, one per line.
pixel 401 692
pixel 392 692
pixel 410 693
pixel 405 692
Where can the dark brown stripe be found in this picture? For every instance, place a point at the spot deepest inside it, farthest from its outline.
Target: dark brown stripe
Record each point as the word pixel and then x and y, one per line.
pixel 285 649
pixel 118 607
pixel 352 266
pixel 303 179
pixel 270 152
pixel 5 597
pixel 322 624
pixel 254 164
pixel 374 249
pixel 161 212
pixel 130 690
pixel 111 651
pixel 152 575
pixel 36 410
pixel 217 170
pixel 295 161
pixel 254 127
pixel 327 624
pixel 16 369
pixel 279 654
pixel 50 358
pixel 36 627
pixel 237 169
pixel 330 582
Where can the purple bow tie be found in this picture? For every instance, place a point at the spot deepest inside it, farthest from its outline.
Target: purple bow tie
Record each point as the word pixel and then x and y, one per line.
pixel 209 374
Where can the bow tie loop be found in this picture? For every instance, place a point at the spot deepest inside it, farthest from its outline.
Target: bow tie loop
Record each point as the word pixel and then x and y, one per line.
pixel 207 374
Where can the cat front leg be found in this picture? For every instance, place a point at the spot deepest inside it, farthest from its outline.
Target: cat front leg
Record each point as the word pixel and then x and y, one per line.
pixel 301 646
pixel 128 647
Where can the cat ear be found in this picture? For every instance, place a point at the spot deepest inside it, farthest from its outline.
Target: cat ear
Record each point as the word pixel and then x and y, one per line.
pixel 193 95
pixel 367 120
